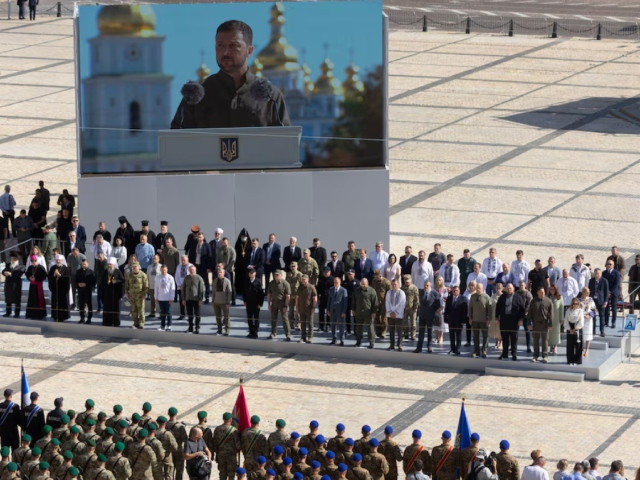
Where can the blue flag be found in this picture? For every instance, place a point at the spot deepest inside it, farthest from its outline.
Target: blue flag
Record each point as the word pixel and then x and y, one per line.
pixel 463 436
pixel 26 391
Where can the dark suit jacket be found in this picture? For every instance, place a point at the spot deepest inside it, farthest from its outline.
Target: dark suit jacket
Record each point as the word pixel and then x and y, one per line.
pixel 367 272
pixel 258 261
pixel 338 270
pixel 456 315
pixel 319 255
pixel 276 253
pixel 66 247
pixel 510 322
pixel 429 304
pixel 600 295
pixel 287 257
pixel 81 234
pixel 614 281
pixel 406 263
pixel 206 260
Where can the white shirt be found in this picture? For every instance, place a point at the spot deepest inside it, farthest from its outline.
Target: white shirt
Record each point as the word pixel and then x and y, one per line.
pixel 491 267
pixel 379 259
pixel 420 273
pixel 480 278
pixel 452 276
pixel 181 273
pixel 568 288
pixel 105 248
pixel 580 274
pixel 165 288
pixel 534 472
pixel 519 272
pixel 394 302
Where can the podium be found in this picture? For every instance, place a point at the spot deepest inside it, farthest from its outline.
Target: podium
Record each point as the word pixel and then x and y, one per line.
pixel 248 148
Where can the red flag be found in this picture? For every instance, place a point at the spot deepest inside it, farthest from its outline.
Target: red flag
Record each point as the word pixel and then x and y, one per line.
pixel 241 418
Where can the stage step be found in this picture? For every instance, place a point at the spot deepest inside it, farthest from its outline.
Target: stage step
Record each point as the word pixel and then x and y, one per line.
pixel 542 374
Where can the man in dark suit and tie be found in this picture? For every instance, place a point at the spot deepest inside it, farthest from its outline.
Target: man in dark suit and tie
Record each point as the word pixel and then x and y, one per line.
pixel 67 247
pixel 364 266
pixel 455 315
pixel 336 266
pixel 272 255
pixel 318 253
pixel 256 259
pixel 510 312
pixel 613 277
pixel 599 288
pixel 337 310
pixel 406 261
pixel 81 233
pixel 292 253
pixel 429 307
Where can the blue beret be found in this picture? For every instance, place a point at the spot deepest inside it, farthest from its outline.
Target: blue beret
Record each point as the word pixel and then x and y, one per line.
pixel 388 430
pixel 261 460
pixel 315 464
pixel 342 467
pixel 374 442
pixel 330 454
pixel 416 434
pixel 313 424
pixel 278 450
pixel 340 427
pixel 298 476
pixel 303 451
pixel 271 471
pixel 446 434
pixel 287 461
pixel 325 477
pixel 504 445
pixel 356 457
pixel 475 437
pixel 320 439
pixel 295 435
pixel 240 471
pixel 349 441
pixel 366 428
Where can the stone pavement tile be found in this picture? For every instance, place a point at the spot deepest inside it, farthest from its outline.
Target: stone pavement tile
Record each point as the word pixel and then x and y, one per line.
pixel 493 49
pixel 622 183
pixel 501 120
pixel 23 169
pixel 546 64
pixel 23 93
pixel 42 79
pixel 63 68
pixel 543 100
pixel 619 67
pixel 18 342
pixel 411 67
pixel 20 126
pixel 397 195
pixel 454 99
pixel 61 133
pixel 506 73
pixel 623 448
pixel 577 51
pixel 409 130
pixel 468 61
pixel 432 169
pixel 445 152
pixel 399 82
pixel 485 87
pixel 47 105
pixel 572 93
pixel 65 99
pixel 489 134
pixel 596 208
pixel 410 113
pixel 603 80
pixel 19 38
pixel 20 64
pixel 601 141
pixel 564 161
pixel 40 51
pixel 44 147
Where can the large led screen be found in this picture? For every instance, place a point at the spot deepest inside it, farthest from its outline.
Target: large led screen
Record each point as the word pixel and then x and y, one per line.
pixel 145 69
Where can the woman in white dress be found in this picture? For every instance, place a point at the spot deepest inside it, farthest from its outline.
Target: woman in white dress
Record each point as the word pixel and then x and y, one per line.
pixel 589 311
pixel 392 270
pixel 119 252
pixel 494 324
pixel 573 322
pixel 439 327
pixel 35 250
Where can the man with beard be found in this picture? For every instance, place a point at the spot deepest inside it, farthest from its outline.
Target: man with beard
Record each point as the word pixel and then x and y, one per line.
pixel 13 272
pixel 161 238
pixel 243 252
pixel 85 280
pixel 112 289
pixel 128 236
pixel 59 285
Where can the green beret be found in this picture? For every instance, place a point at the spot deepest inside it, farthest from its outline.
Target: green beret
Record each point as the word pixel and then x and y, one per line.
pixel 68 454
pixel 71 413
pixel 75 429
pixel 44 465
pixel 152 426
pixel 102 415
pixel 255 419
pixel 226 416
pixel 161 419
pixel 55 441
pixel 146 407
pixel 280 423
pixel 109 431
pixel 135 417
pixel 117 409
pixel 26 437
pixel 64 419
pixel 35 451
pixel 102 458
pixel 173 411
pixel 91 442
pixel 89 403
pixel 12 467
pixel 119 447
pixel 73 472
pixel 202 414
pixel 90 422
pixel 143 433
pixel 123 423
pixel 47 429
pixel 4 451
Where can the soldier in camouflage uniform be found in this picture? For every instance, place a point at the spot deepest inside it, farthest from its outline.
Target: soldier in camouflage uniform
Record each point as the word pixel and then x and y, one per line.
pixel 99 472
pixel 136 287
pixel 362 444
pixel 292 448
pixel 101 424
pixel 105 445
pixel 226 443
pixel 122 436
pixel 285 469
pixel 467 455
pixel 347 452
pixel 320 451
pixel 507 465
pixel 158 449
pixel 179 431
pixel 365 306
pixel 117 416
pixel 90 431
pixel 52 455
pixel 73 444
pixel 335 444
pixel 301 465
pixel 330 468
pixel 375 462
pixel 260 472
pixel 308 441
pixel 142 457
pixel 61 471
pixel 278 300
pixel 381 285
pixel 170 446
pixel 412 302
pixel 11 472
pixel 279 437
pixel 315 470
pixel 277 457
pixel 294 279
pixel 29 467
pixel 308 266
pixel 135 425
pixel 146 415
pixel 43 442
pixel 62 432
pixel 445 459
pixel 253 442
pixel 306 300
pixel 21 453
pixel 42 473
pixel 87 460
pixel 118 464
pixel 88 413
pixel 391 451
pixel 357 471
pixel 416 451
pixel 207 432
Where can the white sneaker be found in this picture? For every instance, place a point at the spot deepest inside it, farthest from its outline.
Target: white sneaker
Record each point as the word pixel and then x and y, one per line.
pixel 168 329
pixel 161 329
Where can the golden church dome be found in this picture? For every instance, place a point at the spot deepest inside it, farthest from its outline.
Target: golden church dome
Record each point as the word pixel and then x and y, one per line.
pixel 278 54
pixel 352 84
pixel 327 84
pixel 136 20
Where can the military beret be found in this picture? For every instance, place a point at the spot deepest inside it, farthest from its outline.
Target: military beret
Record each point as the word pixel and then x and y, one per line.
pixel 135 417
pixel 315 464
pixel 356 457
pixel 109 431
pixel 320 439
pixel 271 472
pixel 255 419
pixel 122 423
pixel 340 427
pixel 313 424
pixel 55 442
pixel 102 415
pixel 161 419
pixel 152 426
pixel 26 437
pixel 73 472
pixel 261 460
pixel 475 437
pixel 89 403
pixel 374 442
pixel 43 465
pixel 71 413
pixel 146 407
pixel 349 441
pixel 202 415
pixel 119 447
pixel 504 445
pixel 330 454
pixel 64 419
pixel 366 429
pixel 144 223
pixel 280 423
pixel 298 476
pixel 68 455
pixel 12 467
pixel 101 457
pixel 388 430
pixel 75 429
pixel 446 434
pixel 47 429
pixel 91 442
pixel 117 409
pixel 303 451
pixel 278 450
pixel 143 433
pixel 416 434
pixel 35 451
pixel 342 467
pixel 287 461
pixel 227 416
pixel 325 477
pixel 5 451
pixel 90 422
pixel 240 471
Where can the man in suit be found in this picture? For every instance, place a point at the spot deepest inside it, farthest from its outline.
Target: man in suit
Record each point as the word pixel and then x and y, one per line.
pixel 199 255
pixel 455 315
pixel 337 310
pixel 318 253
pixel 81 233
pixel 256 258
pixel 364 266
pixel 406 261
pixel 510 311
pixel 612 275
pixel 67 247
pixel 599 288
pixel 292 253
pixel 429 307
pixel 336 266
pixel 272 253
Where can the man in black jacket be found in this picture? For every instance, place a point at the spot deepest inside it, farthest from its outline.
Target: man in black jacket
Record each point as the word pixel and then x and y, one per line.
pixel 510 311
pixel 253 300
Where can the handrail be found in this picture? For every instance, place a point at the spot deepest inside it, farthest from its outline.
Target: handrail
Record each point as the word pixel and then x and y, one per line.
pixel 13 247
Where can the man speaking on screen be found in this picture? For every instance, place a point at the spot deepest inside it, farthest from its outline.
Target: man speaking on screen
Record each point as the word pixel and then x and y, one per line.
pixel 233 97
